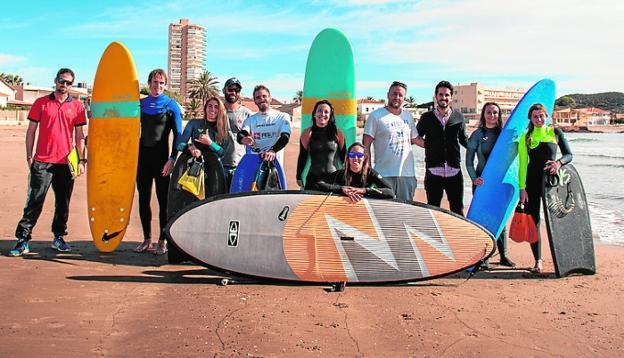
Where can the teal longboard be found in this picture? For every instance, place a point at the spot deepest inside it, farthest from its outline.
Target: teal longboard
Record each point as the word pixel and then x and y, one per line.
pixel 330 75
pixel 494 201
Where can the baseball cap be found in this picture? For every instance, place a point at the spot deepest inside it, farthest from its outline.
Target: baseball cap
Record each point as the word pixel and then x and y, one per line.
pixel 232 81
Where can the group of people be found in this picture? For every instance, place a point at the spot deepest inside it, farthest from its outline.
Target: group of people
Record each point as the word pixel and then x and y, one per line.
pixel 381 166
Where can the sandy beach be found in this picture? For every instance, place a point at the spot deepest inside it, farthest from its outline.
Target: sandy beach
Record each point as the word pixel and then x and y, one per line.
pixel 85 303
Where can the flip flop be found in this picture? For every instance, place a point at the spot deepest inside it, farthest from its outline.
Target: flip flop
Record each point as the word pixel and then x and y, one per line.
pixel 161 249
pixel 144 246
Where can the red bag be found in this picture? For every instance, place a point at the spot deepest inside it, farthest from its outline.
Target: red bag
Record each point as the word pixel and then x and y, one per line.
pixel 522 226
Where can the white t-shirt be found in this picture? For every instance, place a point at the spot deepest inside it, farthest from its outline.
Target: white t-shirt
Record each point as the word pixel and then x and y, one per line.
pixel 265 128
pixel 392 142
pixel 236 151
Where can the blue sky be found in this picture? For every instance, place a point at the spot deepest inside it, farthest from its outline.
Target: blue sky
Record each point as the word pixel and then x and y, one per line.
pixel 497 43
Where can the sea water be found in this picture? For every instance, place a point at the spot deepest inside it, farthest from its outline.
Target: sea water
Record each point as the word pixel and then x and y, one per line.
pixel 599 159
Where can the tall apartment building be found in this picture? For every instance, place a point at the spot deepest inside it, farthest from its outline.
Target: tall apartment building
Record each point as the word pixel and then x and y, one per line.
pixel 187 55
pixel 469 99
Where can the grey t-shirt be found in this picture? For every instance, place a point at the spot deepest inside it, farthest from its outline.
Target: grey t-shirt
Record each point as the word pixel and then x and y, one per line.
pixel 235 152
pixel 392 142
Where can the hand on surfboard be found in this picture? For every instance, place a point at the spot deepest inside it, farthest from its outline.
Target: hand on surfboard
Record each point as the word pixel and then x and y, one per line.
pixel 552 166
pixel 478 181
pixel 268 156
pixel 353 194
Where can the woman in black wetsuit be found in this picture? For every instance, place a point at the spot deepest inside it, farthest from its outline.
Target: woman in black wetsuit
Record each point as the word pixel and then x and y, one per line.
pixel 209 135
pixel 357 179
pixel 481 143
pixel 323 143
pixel 537 150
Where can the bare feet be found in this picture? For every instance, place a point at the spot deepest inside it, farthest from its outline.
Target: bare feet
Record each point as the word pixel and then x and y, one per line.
pixel 162 248
pixel 146 245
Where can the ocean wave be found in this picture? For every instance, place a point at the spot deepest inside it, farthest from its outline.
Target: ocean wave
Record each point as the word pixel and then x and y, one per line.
pixel 601 155
pixel 606 165
pixel 606 224
pixel 583 139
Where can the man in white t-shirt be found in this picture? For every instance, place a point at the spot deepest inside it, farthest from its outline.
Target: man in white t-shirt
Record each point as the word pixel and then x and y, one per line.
pixel 392 132
pixel 268 130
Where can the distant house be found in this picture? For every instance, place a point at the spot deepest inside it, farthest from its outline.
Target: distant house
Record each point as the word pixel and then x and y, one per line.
pixel 294 110
pixel 366 106
pixel 7 93
pixel 590 116
pixel 27 94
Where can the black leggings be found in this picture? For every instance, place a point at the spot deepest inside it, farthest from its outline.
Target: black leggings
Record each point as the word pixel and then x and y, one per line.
pixel 533 207
pixel 151 163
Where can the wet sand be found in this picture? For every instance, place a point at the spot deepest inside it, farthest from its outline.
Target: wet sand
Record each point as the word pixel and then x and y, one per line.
pixel 85 303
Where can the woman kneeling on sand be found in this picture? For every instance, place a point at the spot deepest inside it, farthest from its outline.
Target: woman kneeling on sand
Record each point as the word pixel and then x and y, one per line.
pixel 357 179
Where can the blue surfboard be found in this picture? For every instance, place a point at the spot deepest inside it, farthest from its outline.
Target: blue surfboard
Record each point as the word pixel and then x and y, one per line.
pixel 495 200
pixel 246 171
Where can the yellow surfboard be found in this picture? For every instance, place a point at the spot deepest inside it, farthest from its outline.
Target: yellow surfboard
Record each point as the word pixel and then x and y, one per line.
pixel 113 146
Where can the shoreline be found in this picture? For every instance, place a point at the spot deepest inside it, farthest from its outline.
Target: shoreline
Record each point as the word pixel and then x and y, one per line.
pixel 88 303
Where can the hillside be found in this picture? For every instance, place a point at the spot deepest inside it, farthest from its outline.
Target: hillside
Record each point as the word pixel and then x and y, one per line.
pixel 611 101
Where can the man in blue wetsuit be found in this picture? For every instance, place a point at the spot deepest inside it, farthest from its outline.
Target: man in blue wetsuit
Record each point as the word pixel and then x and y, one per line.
pixel 160 115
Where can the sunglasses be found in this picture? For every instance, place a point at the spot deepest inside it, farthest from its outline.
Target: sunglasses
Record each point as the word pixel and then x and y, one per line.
pixel 65 82
pixel 358 155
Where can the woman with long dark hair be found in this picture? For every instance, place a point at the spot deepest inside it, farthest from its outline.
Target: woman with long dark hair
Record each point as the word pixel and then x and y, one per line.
pixel 357 179
pixel 481 143
pixel 209 136
pixel 537 151
pixel 323 143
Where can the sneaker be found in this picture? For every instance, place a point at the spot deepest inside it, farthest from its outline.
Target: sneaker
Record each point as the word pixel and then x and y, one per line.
pixel 20 248
pixel 60 245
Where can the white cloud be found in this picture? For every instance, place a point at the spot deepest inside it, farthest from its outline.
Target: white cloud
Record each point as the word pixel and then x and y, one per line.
pixel 8 60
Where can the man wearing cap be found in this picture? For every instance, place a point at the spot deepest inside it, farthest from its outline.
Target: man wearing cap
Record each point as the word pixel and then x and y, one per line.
pixel 267 131
pixel 236 115
pixel 392 132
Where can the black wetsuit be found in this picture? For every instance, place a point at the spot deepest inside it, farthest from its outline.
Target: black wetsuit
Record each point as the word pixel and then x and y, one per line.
pixel 156 126
pixel 481 143
pixel 376 186
pixel 325 156
pixel 538 157
pixel 215 183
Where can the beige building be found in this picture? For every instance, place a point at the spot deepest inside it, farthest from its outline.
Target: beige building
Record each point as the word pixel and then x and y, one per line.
pixel 366 106
pixel 186 55
pixel 469 99
pixel 590 116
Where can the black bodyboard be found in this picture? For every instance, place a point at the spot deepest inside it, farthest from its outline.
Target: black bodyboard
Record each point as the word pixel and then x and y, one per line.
pixel 568 223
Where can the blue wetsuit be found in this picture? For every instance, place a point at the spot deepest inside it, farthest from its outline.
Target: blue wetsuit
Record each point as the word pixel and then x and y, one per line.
pixel 159 117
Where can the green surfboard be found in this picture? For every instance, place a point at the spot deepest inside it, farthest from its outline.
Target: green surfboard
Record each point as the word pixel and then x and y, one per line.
pixel 330 75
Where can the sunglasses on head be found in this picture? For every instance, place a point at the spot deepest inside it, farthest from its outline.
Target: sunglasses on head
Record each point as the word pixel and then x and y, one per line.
pixel 64 82
pixel 355 155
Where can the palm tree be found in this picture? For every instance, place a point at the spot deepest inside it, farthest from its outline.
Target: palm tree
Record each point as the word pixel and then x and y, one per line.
pixel 410 102
pixel 193 108
pixel 370 98
pixel 173 95
pixel 298 97
pixel 204 87
pixel 13 80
